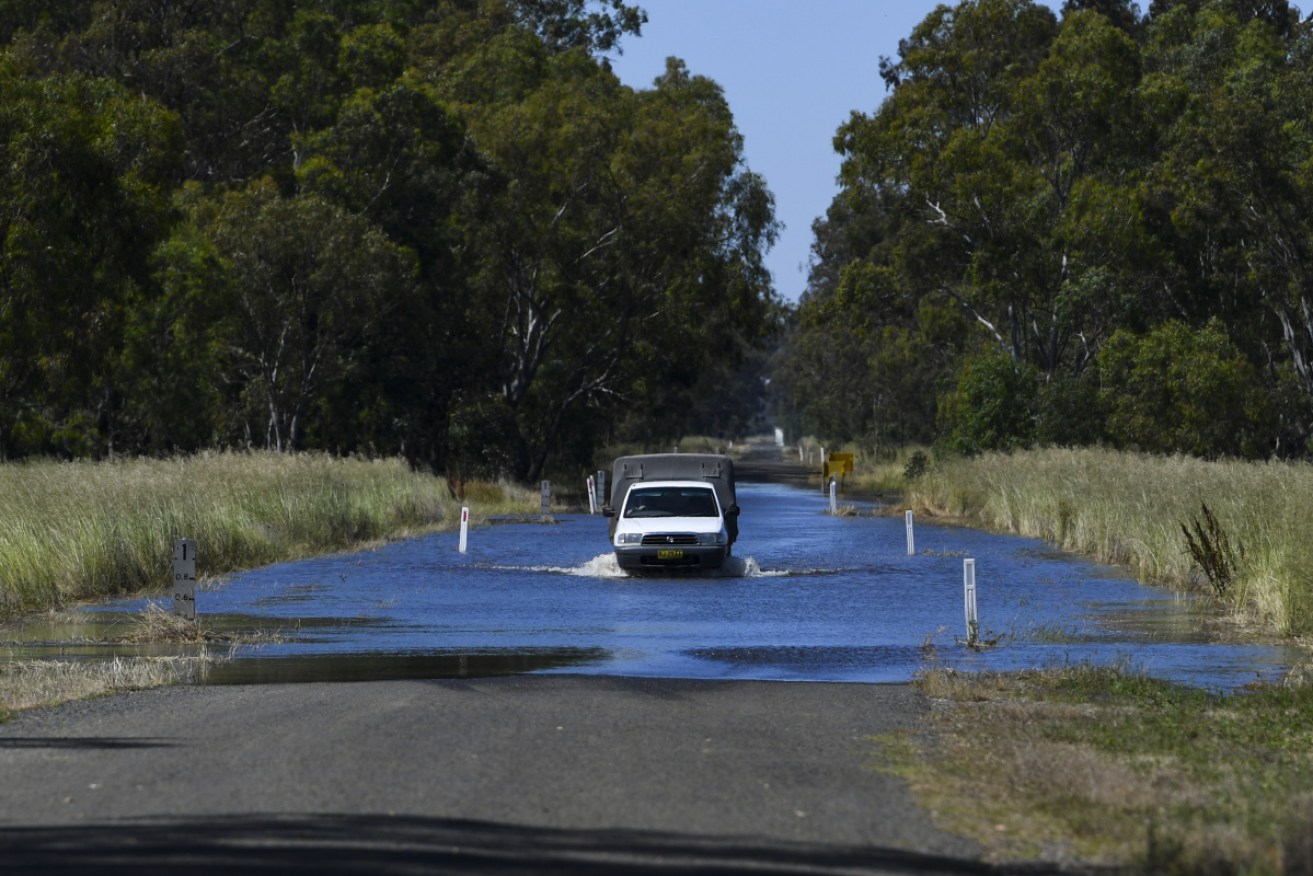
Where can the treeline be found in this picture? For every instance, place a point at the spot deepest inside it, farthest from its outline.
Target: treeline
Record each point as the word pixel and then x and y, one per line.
pixel 439 228
pixel 1092 228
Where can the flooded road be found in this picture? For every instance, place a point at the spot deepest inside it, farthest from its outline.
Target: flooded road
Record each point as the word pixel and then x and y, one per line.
pixel 807 597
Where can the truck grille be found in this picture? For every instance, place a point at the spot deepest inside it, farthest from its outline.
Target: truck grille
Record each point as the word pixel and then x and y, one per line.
pixel 670 539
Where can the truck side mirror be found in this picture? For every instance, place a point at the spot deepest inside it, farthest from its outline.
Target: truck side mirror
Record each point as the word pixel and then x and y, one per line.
pixel 608 511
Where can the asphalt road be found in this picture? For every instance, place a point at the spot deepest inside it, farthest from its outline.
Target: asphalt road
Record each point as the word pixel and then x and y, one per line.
pixel 527 774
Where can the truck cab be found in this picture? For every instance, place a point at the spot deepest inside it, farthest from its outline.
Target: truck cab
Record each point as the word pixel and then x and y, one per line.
pixel 672 511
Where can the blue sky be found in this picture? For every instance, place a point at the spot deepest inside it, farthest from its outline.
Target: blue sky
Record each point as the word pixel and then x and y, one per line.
pixel 792 71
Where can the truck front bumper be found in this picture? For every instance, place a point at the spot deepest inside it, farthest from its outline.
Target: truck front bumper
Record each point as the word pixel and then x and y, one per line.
pixel 650 557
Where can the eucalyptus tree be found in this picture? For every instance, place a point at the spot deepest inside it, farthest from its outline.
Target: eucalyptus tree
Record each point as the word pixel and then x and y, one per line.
pixel 398 157
pixel 1109 176
pixel 620 240
pixel 1016 164
pixel 442 228
pixel 311 286
pixel 85 170
pixel 1228 191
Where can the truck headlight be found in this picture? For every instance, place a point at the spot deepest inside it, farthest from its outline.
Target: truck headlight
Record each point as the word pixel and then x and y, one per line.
pixel 711 538
pixel 629 538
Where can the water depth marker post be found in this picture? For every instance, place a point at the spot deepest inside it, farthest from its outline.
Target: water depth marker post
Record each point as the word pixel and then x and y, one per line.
pixel 592 495
pixel 911 536
pixel 184 578
pixel 464 529
pixel 601 488
pixel 546 499
pixel 969 597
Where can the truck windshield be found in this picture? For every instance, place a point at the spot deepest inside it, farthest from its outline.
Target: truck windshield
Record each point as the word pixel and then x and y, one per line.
pixel 671 502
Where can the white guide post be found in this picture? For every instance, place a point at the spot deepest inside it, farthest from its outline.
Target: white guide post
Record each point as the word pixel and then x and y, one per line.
pixel 592 495
pixel 834 495
pixel 601 488
pixel 546 499
pixel 464 529
pixel 911 536
pixel 184 578
pixel 969 598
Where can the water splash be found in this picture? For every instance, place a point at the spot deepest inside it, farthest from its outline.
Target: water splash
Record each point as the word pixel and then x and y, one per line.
pixel 606 566
pixel 745 567
pixel 600 566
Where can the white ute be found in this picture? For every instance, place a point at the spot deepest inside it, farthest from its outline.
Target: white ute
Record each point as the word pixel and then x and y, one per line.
pixel 672 511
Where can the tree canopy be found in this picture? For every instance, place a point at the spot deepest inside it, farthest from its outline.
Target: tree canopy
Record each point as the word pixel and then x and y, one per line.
pixel 441 229
pixel 1092 227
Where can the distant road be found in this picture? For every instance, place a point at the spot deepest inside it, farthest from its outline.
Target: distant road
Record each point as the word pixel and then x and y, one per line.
pixel 761 460
pixel 511 775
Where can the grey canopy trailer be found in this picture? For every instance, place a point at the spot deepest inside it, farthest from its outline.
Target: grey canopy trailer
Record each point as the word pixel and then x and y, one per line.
pixel 714 470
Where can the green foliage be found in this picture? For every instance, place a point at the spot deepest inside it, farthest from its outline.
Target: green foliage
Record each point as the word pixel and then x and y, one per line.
pixel 1068 411
pixel 82 204
pixel 1176 389
pixel 916 465
pixel 438 229
pixel 992 406
pixel 1083 192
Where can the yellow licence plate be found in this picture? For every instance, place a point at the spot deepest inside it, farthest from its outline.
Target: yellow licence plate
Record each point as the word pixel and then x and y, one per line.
pixel 670 555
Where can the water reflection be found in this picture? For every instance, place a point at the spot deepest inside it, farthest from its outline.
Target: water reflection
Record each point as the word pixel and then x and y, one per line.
pixel 388 666
pixel 808 597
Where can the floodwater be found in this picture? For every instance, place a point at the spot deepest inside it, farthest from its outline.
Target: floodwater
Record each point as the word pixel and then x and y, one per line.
pixel 808 597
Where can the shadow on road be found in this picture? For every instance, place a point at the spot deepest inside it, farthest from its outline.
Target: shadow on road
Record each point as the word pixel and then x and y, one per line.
pixel 90 743
pixel 401 845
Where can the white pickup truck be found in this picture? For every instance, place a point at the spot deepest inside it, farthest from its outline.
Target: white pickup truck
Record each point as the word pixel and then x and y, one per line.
pixel 672 511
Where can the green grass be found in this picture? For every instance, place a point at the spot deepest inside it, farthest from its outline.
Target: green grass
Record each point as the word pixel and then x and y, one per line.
pixel 1129 509
pixel 1109 767
pixel 82 530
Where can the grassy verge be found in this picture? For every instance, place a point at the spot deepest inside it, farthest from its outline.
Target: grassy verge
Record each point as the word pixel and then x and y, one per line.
pixel 1107 767
pixel 32 683
pixel 1130 510
pixel 77 531
pixel 887 474
pixel 26 684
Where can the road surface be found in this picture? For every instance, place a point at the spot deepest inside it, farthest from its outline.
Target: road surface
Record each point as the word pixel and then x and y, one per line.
pixel 524 774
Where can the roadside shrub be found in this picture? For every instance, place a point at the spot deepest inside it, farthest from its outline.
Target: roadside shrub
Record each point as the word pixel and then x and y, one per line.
pixel 1069 412
pixel 992 407
pixel 916 465
pixel 1207 542
pixel 1178 390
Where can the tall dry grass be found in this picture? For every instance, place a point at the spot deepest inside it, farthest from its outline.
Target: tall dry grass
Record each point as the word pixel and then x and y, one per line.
pixel 884 472
pixel 1128 509
pixel 80 530
pixel 33 683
